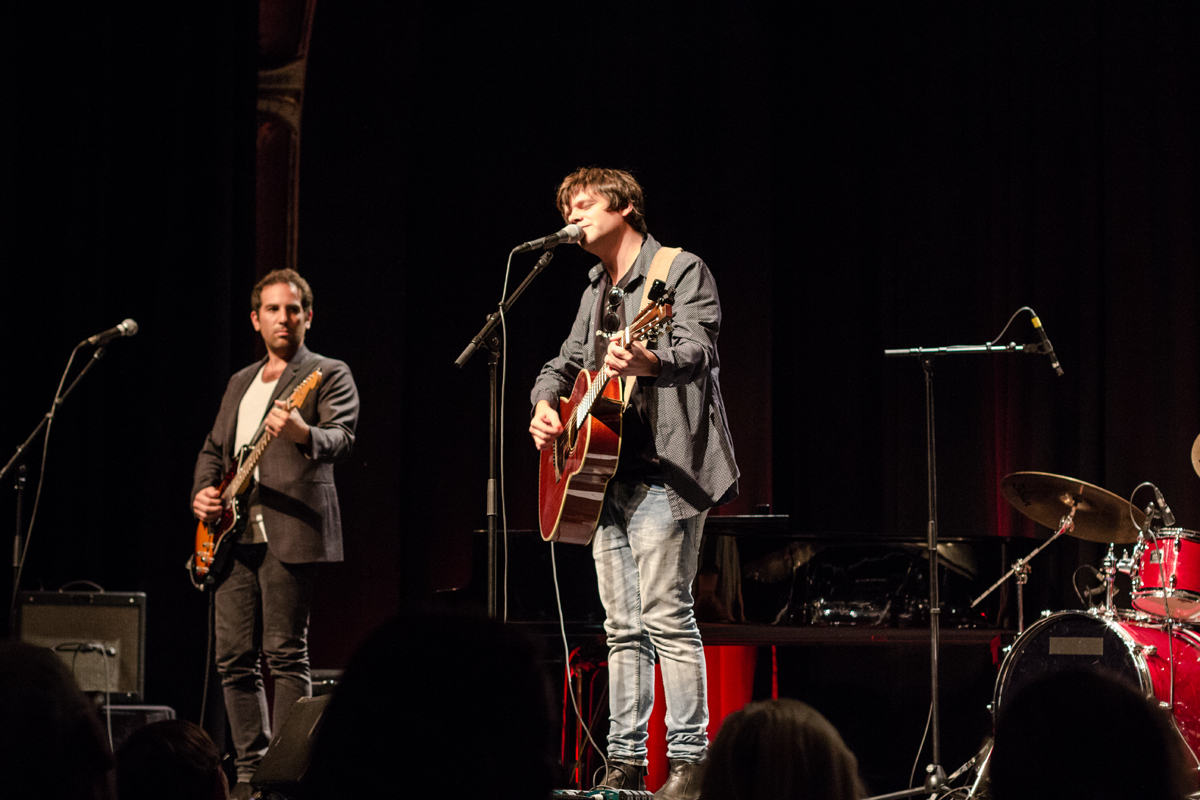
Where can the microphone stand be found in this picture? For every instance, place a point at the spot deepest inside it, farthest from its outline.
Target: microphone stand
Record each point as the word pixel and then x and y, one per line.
pixel 58 401
pixel 18 457
pixel 488 336
pixel 935 779
pixel 19 486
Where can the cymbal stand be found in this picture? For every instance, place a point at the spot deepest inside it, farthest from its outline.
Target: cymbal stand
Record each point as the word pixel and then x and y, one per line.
pixel 1021 568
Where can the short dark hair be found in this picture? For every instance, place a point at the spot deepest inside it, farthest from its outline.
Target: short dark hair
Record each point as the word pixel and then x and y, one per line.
pixel 282 276
pixel 777 749
pixel 616 186
pixel 172 758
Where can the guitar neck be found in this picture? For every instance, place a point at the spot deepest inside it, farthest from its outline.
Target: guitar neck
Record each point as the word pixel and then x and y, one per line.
pixel 249 463
pixel 648 323
pixel 628 336
pixel 239 481
pixel 588 400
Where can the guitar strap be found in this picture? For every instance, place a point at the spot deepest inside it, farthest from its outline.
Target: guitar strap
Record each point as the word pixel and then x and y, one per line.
pixel 660 267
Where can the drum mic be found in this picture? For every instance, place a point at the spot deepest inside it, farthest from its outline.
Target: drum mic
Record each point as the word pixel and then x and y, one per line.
pixel 1164 510
pixel 1047 348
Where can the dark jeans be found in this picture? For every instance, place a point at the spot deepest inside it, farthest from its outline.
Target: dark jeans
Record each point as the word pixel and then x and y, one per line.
pixel 262 606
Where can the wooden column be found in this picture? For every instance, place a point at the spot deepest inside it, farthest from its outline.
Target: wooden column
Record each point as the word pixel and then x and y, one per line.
pixel 284 31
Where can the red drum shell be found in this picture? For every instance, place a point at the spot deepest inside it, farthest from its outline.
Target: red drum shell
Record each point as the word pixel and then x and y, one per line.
pixel 1166 575
pixel 1133 652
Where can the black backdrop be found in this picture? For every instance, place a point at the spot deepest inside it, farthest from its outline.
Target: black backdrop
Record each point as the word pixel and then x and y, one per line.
pixel 859 176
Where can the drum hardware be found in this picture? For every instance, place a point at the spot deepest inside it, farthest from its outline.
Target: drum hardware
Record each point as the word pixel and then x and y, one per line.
pixel 980 762
pixel 1081 509
pixel 1021 567
pixel 1165 568
pixel 1125 563
pixel 1108 569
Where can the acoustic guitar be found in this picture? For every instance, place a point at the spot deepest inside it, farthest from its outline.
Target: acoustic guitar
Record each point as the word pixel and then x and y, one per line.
pixel 577 466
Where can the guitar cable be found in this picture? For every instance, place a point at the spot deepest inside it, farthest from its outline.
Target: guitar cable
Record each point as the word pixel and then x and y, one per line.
pixel 504 526
pixel 208 652
pixel 106 652
pixel 562 627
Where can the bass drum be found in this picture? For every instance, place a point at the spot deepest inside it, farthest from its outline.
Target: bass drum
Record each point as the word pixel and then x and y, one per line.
pixel 1132 651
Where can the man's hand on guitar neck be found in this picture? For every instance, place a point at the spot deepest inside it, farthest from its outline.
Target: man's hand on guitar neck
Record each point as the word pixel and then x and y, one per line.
pixel 636 360
pixel 207 505
pixel 287 424
pixel 545 426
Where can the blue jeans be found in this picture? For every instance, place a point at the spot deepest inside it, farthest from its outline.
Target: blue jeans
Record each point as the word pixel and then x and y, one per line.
pixel 645 565
pixel 262 605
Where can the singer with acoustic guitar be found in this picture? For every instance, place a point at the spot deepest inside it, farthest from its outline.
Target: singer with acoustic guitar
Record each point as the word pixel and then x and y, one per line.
pixel 291 520
pixel 674 462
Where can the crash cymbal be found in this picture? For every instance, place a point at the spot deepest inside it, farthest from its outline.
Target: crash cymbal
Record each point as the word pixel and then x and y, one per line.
pixel 1196 455
pixel 1100 516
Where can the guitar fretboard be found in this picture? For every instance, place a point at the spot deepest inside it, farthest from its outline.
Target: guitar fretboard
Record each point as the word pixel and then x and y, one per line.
pixel 238 484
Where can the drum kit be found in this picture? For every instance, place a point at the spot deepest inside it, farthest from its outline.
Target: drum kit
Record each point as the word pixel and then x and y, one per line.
pixel 1155 647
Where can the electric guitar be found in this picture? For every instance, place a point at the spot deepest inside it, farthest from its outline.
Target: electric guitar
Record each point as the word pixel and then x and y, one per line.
pixel 214 542
pixel 576 467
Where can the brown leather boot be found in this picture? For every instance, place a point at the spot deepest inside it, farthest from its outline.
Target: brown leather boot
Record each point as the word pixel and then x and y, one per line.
pixel 623 775
pixel 683 781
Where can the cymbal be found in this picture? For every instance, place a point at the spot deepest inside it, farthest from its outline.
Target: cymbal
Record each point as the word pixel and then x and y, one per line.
pixel 1100 515
pixel 1196 455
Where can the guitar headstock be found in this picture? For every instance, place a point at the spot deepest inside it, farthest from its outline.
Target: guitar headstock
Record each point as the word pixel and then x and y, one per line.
pixel 654 320
pixel 300 393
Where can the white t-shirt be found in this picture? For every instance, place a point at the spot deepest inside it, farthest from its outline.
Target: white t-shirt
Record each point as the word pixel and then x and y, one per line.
pixel 253 408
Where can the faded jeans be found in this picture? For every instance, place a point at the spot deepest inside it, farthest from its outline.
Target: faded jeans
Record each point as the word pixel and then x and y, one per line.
pixel 262 605
pixel 645 565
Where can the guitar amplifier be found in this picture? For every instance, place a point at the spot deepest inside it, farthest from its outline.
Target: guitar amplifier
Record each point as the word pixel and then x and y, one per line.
pixel 100 636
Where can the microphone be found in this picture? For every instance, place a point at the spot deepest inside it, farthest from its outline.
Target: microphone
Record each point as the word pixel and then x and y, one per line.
pixel 126 328
pixel 1167 517
pixel 570 234
pixel 1046 346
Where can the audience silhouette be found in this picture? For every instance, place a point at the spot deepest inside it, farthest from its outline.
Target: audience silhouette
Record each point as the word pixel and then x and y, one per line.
pixel 780 750
pixel 1085 735
pixel 455 704
pixel 52 746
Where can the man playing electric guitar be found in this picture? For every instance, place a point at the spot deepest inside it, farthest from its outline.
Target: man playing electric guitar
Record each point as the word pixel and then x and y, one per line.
pixel 293 521
pixel 676 462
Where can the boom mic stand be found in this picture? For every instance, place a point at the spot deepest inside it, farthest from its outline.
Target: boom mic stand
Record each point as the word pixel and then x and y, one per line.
pixel 935 775
pixel 18 457
pixel 488 337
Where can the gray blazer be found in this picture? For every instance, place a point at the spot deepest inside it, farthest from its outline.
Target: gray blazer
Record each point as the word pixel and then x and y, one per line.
pixel 687 414
pixel 296 490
